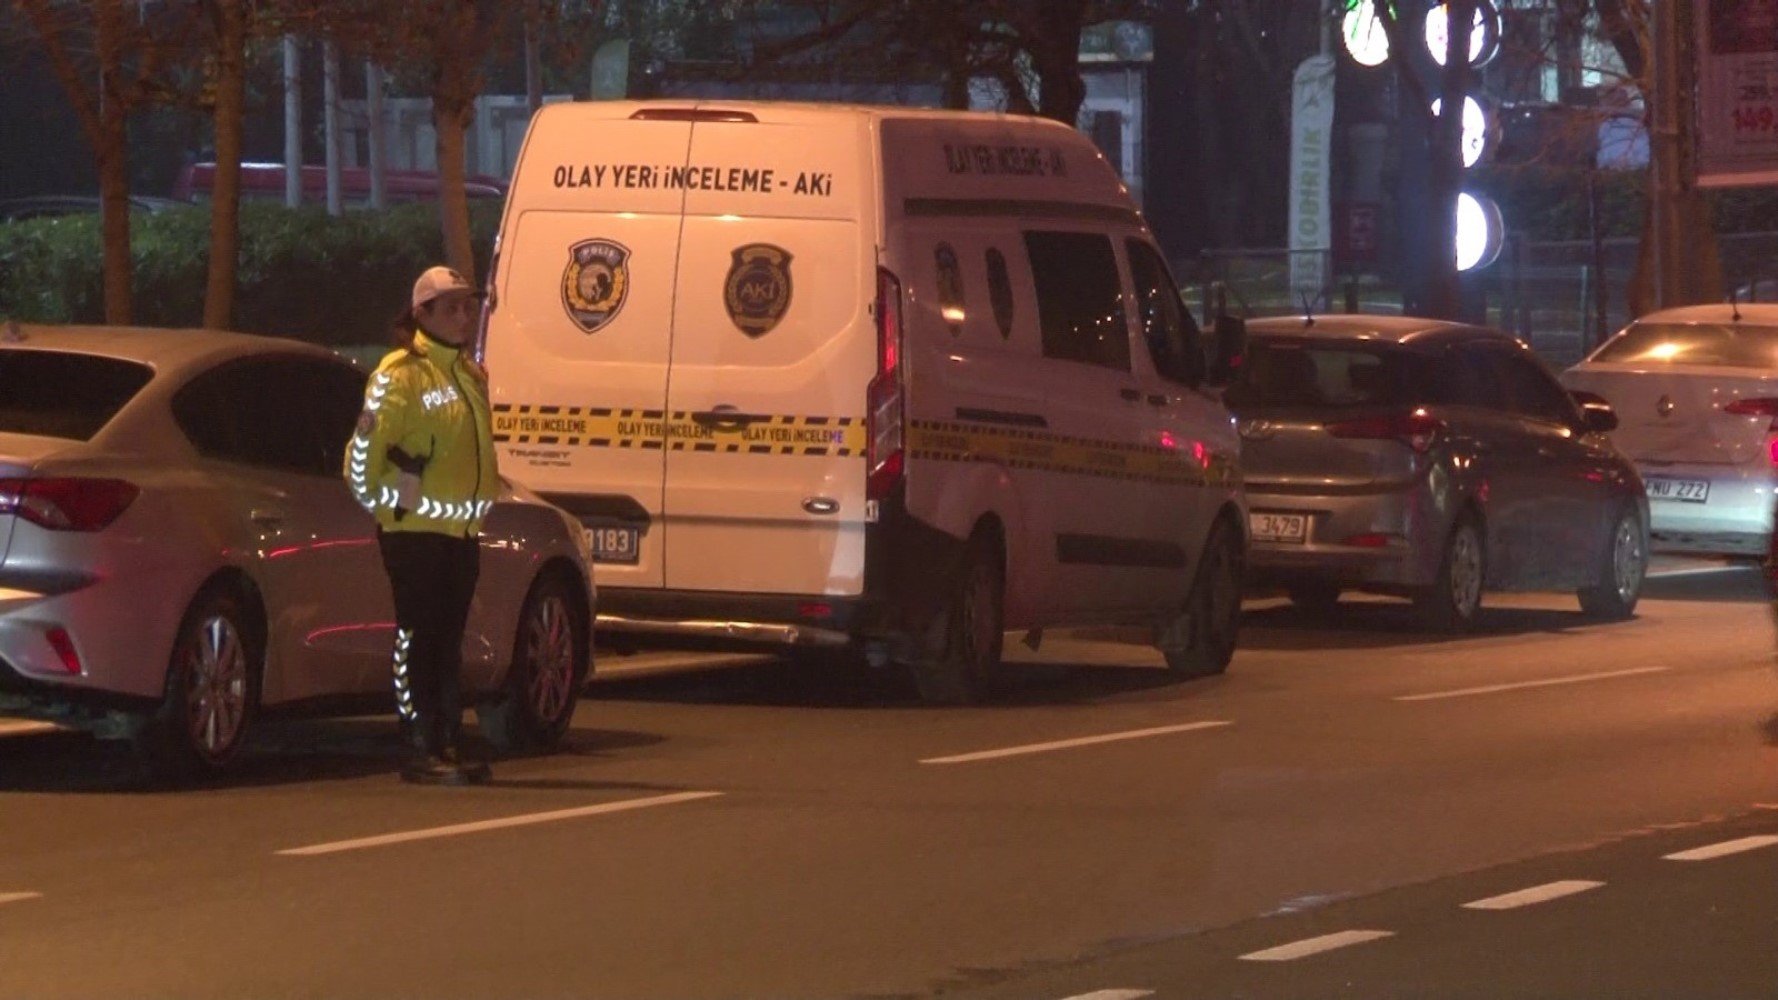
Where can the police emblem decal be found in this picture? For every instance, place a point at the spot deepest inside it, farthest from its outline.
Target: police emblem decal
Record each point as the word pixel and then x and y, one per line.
pixel 757 293
pixel 595 283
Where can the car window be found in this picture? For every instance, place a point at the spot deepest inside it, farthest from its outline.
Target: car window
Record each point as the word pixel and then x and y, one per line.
pixel 1533 392
pixel 1172 336
pixel 1731 345
pixel 280 413
pixel 61 394
pixel 1080 304
pixel 1471 375
pixel 1286 372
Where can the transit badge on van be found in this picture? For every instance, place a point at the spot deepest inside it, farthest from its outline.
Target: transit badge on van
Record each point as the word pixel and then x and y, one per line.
pixel 757 292
pixel 596 282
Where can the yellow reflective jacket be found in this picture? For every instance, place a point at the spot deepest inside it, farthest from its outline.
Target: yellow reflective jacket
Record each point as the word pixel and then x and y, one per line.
pixel 422 458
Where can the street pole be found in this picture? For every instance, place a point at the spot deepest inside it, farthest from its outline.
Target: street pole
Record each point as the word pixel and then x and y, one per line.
pixel 377 134
pixel 293 123
pixel 330 123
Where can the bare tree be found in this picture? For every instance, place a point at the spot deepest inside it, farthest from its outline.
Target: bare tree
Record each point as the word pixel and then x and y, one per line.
pixel 228 24
pixel 108 60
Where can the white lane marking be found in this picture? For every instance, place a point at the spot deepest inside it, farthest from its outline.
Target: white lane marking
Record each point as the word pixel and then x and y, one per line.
pixel 1083 741
pixel 1534 895
pixel 1548 682
pixel 18 897
pixel 482 826
pixel 1723 849
pixel 11 727
pixel 1314 946
pixel 1112 995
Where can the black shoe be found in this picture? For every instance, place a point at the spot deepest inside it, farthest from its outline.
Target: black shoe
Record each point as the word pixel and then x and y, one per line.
pixel 431 769
pixel 467 772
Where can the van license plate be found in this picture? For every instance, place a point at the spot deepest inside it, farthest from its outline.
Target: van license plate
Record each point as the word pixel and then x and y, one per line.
pixel 614 545
pixel 1683 490
pixel 1278 527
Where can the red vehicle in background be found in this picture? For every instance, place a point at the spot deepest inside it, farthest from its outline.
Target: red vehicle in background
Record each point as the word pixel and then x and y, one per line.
pixel 265 181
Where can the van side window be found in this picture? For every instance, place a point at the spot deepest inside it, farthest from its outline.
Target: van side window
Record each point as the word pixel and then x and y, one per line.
pixel 950 288
pixel 1000 292
pixel 1169 330
pixel 1079 302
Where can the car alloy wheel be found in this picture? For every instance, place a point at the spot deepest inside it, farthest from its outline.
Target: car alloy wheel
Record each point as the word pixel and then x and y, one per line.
pixel 215 686
pixel 549 648
pixel 1628 562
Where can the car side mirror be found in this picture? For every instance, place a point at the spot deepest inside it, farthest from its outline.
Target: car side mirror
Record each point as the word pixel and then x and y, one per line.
pixel 1229 349
pixel 1596 415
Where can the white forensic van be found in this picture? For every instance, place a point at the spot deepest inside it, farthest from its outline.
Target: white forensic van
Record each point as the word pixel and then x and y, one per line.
pixel 876 377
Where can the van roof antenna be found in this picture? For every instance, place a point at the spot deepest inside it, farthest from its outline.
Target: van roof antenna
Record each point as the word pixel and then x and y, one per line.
pixel 1308 308
pixel 1734 306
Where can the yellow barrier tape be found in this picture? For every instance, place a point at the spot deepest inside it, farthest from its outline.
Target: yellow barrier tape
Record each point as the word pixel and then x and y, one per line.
pixel 757 434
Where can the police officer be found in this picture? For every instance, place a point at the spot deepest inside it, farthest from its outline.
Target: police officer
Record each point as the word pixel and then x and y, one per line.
pixel 422 461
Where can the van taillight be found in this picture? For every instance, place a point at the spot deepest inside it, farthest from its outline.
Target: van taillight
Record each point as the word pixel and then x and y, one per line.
pixel 884 415
pixel 1417 429
pixel 67 504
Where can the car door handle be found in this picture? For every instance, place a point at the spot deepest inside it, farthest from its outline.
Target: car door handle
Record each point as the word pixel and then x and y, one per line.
pixel 726 418
pixel 266 518
pixel 1130 394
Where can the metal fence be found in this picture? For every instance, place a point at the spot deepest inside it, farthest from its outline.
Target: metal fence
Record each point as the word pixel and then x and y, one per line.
pixel 1560 297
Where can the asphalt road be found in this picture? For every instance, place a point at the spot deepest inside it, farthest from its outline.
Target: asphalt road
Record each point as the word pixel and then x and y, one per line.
pixel 766 830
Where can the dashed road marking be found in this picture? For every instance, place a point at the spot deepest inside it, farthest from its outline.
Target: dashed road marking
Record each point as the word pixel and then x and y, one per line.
pixel 1314 946
pixel 1667 574
pixel 1534 895
pixel 1083 741
pixel 1547 682
pixel 1723 849
pixel 481 826
pixel 18 897
pixel 1112 995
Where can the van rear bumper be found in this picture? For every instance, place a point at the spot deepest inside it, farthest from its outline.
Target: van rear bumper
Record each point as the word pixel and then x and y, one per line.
pixel 910 567
pixel 704 617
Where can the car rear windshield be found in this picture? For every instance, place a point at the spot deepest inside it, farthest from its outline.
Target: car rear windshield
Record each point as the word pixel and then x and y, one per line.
pixel 63 395
pixel 1291 373
pixel 1730 345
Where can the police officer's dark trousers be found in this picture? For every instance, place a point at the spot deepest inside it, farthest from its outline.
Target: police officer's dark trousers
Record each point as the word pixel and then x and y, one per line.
pixel 433 576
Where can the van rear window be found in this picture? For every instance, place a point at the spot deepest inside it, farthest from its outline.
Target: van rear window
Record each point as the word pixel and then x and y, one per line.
pixel 64 395
pixel 1288 373
pixel 1729 345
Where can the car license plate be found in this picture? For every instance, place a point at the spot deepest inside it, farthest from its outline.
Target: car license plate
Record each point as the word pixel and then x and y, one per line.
pixel 614 545
pixel 1683 490
pixel 1278 527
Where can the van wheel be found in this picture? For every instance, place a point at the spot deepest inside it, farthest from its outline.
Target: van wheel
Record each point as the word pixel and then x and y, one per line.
pixel 1200 640
pixel 961 659
pixel 212 692
pixel 1454 600
pixel 1622 567
pixel 549 664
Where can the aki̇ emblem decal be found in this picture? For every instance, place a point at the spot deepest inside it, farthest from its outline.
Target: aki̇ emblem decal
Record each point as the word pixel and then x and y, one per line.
pixel 757 293
pixel 595 283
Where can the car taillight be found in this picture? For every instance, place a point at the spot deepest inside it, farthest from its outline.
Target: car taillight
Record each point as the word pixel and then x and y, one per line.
pixel 67 504
pixel 1417 429
pixel 883 400
pixel 1760 406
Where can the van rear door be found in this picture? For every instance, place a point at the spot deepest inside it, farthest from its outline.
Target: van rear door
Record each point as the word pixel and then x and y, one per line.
pixel 579 334
pixel 774 346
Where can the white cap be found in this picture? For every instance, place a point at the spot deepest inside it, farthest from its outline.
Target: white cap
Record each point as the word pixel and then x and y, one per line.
pixel 438 281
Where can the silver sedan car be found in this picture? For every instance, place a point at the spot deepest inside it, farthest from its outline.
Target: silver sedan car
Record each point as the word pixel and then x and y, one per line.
pixel 1429 460
pixel 178 552
pixel 1696 390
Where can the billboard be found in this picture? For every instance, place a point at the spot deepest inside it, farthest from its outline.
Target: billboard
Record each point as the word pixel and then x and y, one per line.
pixel 1737 47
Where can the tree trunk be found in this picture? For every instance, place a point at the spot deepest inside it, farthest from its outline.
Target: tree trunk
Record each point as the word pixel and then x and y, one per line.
pixel 113 156
pixel 451 121
pixel 1054 46
pixel 225 201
